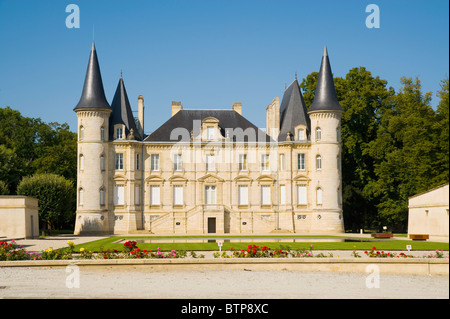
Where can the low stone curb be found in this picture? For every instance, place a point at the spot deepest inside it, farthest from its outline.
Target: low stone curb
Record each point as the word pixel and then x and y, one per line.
pixel 419 266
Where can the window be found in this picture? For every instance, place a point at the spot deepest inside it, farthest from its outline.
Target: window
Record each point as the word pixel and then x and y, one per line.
pixel 138 162
pixel 137 195
pixel 102 196
pixel 119 195
pixel 210 162
pixel 319 196
pixel 301 134
pixel 265 195
pixel 154 165
pixel 81 133
pixel 210 195
pixel 102 162
pixel 81 196
pixel 318 134
pixel 243 195
pixel 301 161
pixel 265 161
pixel 81 162
pixel 338 134
pixel 119 133
pixel 318 162
pixel 178 195
pixel 210 132
pixel 282 195
pixel 102 133
pixel 118 161
pixel 177 162
pixel 339 196
pixel 338 163
pixel 281 164
pixel 155 195
pixel 243 162
pixel 301 195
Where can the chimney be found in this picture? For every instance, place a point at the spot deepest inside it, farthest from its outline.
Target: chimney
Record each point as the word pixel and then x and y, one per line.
pixel 176 106
pixel 141 115
pixel 237 106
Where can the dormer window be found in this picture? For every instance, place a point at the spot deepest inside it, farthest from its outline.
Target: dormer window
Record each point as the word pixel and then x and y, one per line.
pixel 119 133
pixel 301 135
pixel 210 133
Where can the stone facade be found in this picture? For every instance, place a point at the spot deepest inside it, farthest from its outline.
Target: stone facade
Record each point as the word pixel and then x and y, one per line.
pixel 19 217
pixel 218 178
pixel 428 212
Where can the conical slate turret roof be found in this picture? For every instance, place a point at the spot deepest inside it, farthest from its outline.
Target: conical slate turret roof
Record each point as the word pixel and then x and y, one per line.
pixel 122 113
pixel 93 95
pixel 325 98
pixel 292 111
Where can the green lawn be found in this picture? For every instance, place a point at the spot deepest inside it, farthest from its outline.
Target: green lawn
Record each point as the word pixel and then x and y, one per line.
pixel 391 244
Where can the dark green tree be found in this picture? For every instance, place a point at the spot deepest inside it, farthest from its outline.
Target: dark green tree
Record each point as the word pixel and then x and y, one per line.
pixel 55 195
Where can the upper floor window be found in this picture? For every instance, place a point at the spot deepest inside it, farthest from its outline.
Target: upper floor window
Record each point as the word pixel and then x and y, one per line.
pixel 154 164
pixel 301 161
pixel 118 163
pixel 243 162
pixel 281 164
pixel 81 196
pixel 177 162
pixel 265 162
pixel 138 162
pixel 102 133
pixel 318 134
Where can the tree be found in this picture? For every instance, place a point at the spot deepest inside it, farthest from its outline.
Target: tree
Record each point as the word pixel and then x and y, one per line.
pixel 55 195
pixel 3 188
pixel 405 150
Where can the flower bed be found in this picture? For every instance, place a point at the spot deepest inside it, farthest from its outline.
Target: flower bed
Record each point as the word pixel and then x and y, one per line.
pixel 11 251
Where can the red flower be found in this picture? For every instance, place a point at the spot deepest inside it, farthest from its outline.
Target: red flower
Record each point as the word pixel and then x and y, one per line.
pixel 374 248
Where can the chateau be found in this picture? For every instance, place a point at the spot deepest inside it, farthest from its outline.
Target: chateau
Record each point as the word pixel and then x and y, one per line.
pixel 209 171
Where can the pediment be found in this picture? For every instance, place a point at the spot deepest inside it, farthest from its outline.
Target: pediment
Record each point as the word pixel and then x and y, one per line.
pixel 211 178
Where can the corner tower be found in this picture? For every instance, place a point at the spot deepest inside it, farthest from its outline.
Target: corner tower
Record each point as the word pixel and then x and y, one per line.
pixel 325 157
pixel 93 111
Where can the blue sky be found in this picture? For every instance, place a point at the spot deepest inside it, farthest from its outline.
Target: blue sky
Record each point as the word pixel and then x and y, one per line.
pixel 209 54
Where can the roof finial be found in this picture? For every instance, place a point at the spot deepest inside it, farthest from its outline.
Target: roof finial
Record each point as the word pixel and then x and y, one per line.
pixel 295 76
pixel 325 51
pixel 120 73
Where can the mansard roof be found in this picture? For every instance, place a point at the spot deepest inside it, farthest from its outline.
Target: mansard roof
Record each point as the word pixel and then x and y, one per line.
pixel 93 96
pixel 325 98
pixel 183 122
pixel 122 113
pixel 293 111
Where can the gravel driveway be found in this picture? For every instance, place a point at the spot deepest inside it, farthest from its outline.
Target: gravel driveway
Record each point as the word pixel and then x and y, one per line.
pixel 22 282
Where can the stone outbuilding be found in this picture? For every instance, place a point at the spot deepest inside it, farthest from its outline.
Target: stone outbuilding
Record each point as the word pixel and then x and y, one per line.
pixel 428 212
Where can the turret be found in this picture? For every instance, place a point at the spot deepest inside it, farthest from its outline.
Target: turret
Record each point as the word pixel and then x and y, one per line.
pixel 93 111
pixel 325 157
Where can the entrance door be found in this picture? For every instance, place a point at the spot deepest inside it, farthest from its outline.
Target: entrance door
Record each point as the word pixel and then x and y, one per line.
pixel 211 224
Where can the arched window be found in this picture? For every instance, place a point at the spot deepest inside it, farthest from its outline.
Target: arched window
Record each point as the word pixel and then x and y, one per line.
pixel 318 134
pixel 102 133
pixel 102 162
pixel 318 162
pixel 81 132
pixel 319 196
pixel 80 196
pixel 81 162
pixel 102 196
